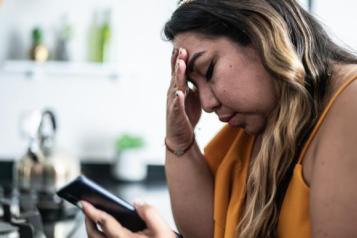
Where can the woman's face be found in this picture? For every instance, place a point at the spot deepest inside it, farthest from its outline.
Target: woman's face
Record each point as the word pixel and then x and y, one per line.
pixel 231 80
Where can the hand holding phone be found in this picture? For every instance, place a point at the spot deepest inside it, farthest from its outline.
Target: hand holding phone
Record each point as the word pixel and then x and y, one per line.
pixel 83 188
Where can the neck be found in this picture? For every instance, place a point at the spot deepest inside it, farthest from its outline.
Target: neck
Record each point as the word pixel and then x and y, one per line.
pixel 256 146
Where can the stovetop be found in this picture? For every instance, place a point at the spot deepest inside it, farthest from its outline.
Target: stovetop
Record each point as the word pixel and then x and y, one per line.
pixel 153 191
pixel 29 215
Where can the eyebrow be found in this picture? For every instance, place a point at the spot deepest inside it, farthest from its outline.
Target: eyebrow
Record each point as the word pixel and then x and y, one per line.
pixel 191 62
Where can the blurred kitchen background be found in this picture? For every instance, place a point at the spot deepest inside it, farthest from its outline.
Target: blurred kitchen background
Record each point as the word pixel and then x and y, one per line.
pixel 101 69
pixel 95 102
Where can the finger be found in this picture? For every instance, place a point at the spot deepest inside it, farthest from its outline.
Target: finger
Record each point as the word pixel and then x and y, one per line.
pixel 174 55
pixel 152 218
pixel 175 107
pixel 181 75
pixel 91 229
pixel 108 224
pixel 182 54
pixel 146 232
pixel 181 71
pixel 177 54
pixel 180 103
pixel 173 84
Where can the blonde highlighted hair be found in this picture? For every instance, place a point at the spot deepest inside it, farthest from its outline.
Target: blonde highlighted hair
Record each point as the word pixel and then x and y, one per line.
pixel 297 52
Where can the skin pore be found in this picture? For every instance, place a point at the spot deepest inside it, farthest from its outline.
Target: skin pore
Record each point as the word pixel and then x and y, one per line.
pixel 231 80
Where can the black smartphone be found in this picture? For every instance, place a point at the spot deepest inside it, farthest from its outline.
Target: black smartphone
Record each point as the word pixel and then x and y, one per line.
pixel 85 189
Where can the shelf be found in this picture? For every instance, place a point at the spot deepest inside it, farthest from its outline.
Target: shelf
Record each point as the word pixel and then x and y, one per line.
pixel 32 70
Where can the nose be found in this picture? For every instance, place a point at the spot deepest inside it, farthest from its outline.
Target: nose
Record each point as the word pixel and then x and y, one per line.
pixel 209 101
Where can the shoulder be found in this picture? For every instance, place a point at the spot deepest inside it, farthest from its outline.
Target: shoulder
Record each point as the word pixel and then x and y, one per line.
pixel 343 112
pixel 333 185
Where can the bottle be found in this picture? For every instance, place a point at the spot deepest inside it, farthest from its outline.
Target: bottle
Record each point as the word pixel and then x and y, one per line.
pixel 39 52
pixel 65 34
pixel 105 38
pixel 93 40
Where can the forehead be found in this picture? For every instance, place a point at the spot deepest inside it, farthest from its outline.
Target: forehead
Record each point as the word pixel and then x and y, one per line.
pixel 193 41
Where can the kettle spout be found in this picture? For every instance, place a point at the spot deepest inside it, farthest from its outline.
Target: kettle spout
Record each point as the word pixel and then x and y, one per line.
pixel 33 156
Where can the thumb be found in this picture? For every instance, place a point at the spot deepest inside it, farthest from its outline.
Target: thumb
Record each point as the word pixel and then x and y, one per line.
pixel 151 217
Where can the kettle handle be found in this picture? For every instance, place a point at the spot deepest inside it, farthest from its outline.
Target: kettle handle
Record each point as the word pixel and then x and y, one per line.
pixel 52 117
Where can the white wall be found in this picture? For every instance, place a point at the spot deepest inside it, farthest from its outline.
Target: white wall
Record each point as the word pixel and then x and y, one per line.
pixel 92 112
pixel 340 19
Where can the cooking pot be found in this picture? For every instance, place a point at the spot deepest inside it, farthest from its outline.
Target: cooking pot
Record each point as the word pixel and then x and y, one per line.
pixel 8 231
pixel 43 168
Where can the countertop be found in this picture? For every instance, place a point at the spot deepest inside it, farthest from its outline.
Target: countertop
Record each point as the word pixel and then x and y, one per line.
pixel 153 191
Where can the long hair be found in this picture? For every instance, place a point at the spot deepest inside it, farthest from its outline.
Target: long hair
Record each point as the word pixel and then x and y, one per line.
pixel 298 53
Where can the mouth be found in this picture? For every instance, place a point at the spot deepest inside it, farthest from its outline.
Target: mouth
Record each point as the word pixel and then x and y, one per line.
pixel 226 118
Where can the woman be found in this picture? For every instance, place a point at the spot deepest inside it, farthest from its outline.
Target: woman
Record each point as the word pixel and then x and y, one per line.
pixel 284 166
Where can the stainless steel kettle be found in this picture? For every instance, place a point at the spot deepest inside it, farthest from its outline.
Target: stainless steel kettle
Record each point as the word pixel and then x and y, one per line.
pixel 43 168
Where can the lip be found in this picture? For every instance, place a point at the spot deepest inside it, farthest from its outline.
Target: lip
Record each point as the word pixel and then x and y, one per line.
pixel 226 118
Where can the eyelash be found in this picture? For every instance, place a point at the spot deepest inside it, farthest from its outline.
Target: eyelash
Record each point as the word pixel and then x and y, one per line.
pixel 209 72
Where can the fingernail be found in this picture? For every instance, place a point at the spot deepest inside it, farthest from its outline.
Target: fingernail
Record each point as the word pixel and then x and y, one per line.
pixel 86 204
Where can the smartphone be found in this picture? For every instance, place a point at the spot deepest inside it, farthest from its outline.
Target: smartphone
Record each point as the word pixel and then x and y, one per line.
pixel 85 189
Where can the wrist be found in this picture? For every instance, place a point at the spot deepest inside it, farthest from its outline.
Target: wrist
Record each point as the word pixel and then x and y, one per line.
pixel 181 150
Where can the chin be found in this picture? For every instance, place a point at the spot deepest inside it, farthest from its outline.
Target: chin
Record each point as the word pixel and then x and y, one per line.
pixel 254 126
pixel 250 131
pixel 253 129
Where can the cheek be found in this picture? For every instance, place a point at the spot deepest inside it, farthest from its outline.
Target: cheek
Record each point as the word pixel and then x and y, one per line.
pixel 245 89
pixel 226 87
pixel 267 94
pixel 241 98
pixel 227 96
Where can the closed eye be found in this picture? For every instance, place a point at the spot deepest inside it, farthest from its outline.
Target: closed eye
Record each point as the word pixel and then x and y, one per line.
pixel 210 70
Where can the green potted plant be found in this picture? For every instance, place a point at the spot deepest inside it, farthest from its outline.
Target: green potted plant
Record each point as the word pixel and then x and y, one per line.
pixel 128 142
pixel 129 165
